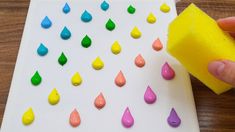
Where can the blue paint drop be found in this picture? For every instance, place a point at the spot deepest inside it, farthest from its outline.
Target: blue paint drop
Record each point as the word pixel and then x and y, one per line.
pixel 46 23
pixel 104 6
pixel 65 34
pixel 42 50
pixel 86 16
pixel 66 8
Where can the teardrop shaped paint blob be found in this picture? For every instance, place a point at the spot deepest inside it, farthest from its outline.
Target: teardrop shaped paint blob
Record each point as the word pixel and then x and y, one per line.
pixel 76 79
pixel 36 79
pixel 74 118
pixel 66 8
pixel 157 45
pixel 28 117
pixel 86 41
pixel 127 119
pixel 62 59
pixel 65 33
pixel 98 64
pixel 86 16
pixel 46 23
pixel 110 25
pixel 131 9
pixel 165 8
pixel 54 97
pixel 149 96
pixel 116 48
pixel 167 72
pixel 104 6
pixel 100 101
pixel 151 18
pixel 173 119
pixel 139 61
pixel 42 50
pixel 120 79
pixel 135 33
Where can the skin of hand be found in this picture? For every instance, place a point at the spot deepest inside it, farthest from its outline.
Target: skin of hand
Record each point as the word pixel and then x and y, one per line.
pixel 224 69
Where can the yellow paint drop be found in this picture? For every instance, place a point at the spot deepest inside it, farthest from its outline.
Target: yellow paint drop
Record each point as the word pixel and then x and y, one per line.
pixel 76 79
pixel 151 18
pixel 135 33
pixel 98 64
pixel 116 48
pixel 54 97
pixel 28 117
pixel 165 8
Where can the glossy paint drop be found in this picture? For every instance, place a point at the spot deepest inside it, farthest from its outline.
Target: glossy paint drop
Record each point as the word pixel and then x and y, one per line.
pixel 46 23
pixel 131 9
pixel 74 118
pixel 28 117
pixel 151 18
pixel 120 79
pixel 165 8
pixel 36 79
pixel 42 50
pixel 110 25
pixel 65 34
pixel 86 42
pixel 116 48
pixel 76 79
pixel 99 101
pixel 157 45
pixel 104 6
pixel 127 119
pixel 62 59
pixel 167 72
pixel 139 61
pixel 54 97
pixel 98 64
pixel 86 16
pixel 173 119
pixel 135 33
pixel 66 8
pixel 149 96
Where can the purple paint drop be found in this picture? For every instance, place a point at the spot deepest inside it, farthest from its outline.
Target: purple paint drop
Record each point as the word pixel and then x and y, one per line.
pixel 173 119
pixel 149 96
pixel 167 72
pixel 127 119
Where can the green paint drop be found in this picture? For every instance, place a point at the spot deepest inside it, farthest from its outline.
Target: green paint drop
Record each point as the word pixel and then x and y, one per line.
pixel 86 41
pixel 65 34
pixel 110 25
pixel 131 9
pixel 36 79
pixel 62 59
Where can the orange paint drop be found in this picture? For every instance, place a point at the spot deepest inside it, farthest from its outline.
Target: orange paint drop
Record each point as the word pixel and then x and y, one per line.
pixel 100 101
pixel 139 61
pixel 157 45
pixel 120 80
pixel 74 119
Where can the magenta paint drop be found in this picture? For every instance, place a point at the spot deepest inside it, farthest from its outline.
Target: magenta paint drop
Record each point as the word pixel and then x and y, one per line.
pixel 127 119
pixel 167 72
pixel 173 119
pixel 149 96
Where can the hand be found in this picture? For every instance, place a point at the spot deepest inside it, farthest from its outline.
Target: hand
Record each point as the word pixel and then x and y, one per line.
pixel 224 69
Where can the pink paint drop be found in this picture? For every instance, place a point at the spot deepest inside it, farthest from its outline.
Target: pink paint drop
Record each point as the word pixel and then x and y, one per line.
pixel 173 119
pixel 127 119
pixel 167 72
pixel 149 96
pixel 157 45
pixel 120 80
pixel 139 61
pixel 74 118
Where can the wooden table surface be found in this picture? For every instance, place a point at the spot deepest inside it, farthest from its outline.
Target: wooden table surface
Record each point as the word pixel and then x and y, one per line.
pixel 215 113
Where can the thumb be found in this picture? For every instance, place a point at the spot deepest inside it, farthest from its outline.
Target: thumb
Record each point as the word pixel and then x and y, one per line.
pixel 223 70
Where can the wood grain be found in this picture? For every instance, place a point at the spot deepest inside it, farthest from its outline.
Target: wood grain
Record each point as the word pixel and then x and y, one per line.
pixel 215 113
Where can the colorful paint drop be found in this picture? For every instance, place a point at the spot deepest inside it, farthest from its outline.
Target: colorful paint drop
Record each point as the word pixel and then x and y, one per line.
pixel 165 8
pixel 100 101
pixel 65 34
pixel 54 97
pixel 86 16
pixel 110 25
pixel 151 18
pixel 135 33
pixel 120 79
pixel 36 79
pixel 127 119
pixel 98 64
pixel 173 119
pixel 42 50
pixel 104 6
pixel 131 9
pixel 74 118
pixel 139 61
pixel 66 8
pixel 167 72
pixel 157 45
pixel 149 96
pixel 86 42
pixel 116 48
pixel 28 117
pixel 62 59
pixel 46 23
pixel 76 79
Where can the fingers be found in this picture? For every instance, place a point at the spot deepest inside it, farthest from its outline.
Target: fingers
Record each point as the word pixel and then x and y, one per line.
pixel 223 70
pixel 227 24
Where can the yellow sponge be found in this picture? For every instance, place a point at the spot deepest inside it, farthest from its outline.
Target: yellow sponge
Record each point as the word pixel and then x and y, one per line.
pixel 195 39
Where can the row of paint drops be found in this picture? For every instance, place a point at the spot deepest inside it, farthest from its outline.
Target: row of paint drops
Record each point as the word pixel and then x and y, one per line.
pixel 120 80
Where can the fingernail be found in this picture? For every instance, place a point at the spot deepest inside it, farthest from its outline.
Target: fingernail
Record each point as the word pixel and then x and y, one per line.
pixel 216 67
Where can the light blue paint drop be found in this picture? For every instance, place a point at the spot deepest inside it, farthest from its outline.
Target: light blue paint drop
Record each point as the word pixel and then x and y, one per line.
pixel 86 16
pixel 65 34
pixel 42 50
pixel 66 8
pixel 46 23
pixel 104 6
